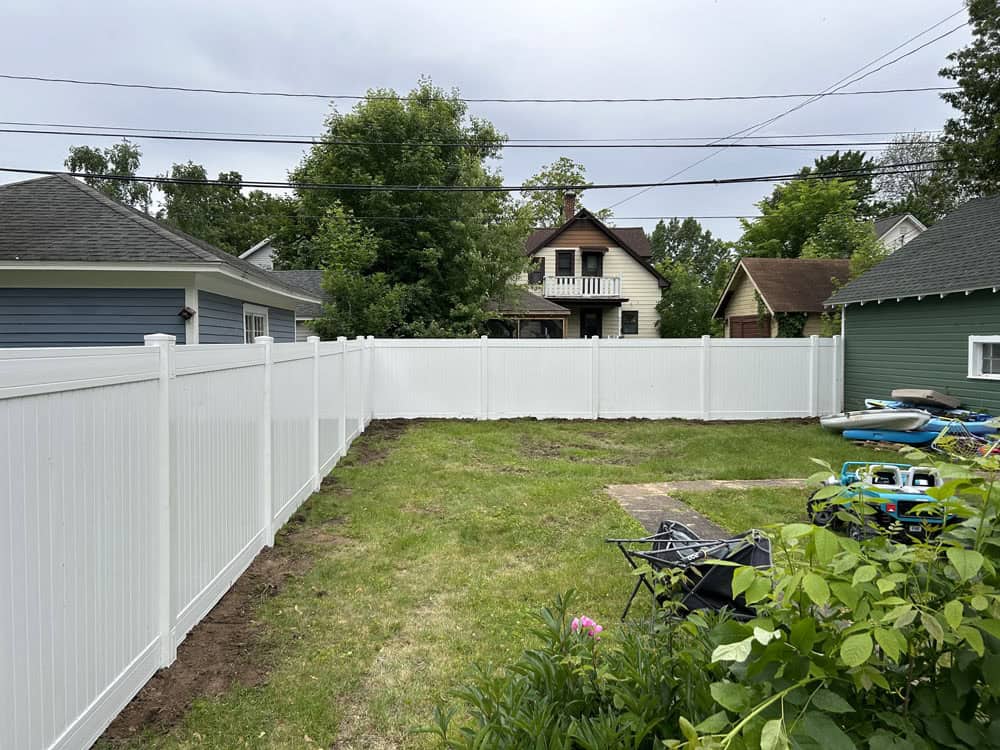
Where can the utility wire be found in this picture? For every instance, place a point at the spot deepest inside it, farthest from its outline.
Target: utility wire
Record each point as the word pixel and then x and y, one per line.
pixel 891 169
pixel 830 90
pixel 321 141
pixel 468 100
pixel 12 123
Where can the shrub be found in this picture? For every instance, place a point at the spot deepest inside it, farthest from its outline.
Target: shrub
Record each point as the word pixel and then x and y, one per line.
pixel 872 644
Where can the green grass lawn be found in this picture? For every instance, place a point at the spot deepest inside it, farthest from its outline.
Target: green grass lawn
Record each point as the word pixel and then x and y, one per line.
pixel 435 550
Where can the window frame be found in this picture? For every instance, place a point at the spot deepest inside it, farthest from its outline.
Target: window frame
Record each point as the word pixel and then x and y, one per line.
pixel 634 313
pixel 562 253
pixel 586 255
pixel 255 311
pixel 536 270
pixel 976 356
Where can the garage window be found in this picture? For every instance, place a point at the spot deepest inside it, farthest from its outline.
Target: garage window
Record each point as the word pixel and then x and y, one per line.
pixel 984 357
pixel 254 322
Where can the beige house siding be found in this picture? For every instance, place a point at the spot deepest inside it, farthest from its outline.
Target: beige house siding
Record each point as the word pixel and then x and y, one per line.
pixel 743 301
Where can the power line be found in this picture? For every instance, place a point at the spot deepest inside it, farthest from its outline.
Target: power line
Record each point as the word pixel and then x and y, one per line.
pixel 321 141
pixel 830 90
pixel 467 100
pixel 890 169
pixel 869 134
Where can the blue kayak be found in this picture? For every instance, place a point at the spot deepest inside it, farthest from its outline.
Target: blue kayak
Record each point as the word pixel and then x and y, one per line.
pixel 974 428
pixel 915 437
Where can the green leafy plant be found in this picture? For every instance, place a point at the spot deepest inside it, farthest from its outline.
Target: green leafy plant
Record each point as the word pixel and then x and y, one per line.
pixel 857 643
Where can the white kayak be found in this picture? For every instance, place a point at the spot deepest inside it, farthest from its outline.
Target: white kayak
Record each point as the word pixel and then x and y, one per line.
pixel 877 419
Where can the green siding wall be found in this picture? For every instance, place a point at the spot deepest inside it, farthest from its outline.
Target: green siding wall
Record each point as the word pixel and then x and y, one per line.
pixel 923 344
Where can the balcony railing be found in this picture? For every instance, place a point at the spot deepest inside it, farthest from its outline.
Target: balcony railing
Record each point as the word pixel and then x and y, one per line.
pixel 582 286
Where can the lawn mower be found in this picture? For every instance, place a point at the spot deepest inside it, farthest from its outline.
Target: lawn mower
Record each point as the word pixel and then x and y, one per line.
pixel 895 494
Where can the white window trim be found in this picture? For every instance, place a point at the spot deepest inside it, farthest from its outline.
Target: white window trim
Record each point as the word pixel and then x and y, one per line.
pixel 976 357
pixel 255 310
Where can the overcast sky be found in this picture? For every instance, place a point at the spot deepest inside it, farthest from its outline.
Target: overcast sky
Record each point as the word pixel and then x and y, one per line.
pixel 530 48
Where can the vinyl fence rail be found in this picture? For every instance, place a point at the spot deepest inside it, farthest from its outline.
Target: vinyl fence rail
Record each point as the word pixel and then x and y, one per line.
pixel 138 483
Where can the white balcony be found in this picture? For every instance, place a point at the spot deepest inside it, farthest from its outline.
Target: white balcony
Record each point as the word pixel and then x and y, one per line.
pixel 582 287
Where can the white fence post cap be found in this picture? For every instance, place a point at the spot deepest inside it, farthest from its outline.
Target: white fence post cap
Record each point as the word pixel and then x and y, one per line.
pixel 312 339
pixel 154 339
pixel 263 339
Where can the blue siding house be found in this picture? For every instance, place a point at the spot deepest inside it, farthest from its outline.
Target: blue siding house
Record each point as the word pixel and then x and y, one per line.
pixel 80 269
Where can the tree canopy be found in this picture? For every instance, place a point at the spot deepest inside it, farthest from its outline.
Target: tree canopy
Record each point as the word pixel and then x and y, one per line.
pixel 928 194
pixel 546 206
pixel 687 243
pixel 972 140
pixel 445 253
pixel 120 159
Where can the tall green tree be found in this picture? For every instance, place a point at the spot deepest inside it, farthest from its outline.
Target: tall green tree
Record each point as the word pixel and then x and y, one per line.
pixel 861 170
pixel 685 310
pixel 546 206
pixel 929 194
pixel 972 140
pixel 841 236
pixel 791 215
pixel 450 251
pixel 222 215
pixel 688 243
pixel 120 159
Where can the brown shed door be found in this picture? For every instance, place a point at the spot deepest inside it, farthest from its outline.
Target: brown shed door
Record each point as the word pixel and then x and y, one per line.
pixel 749 327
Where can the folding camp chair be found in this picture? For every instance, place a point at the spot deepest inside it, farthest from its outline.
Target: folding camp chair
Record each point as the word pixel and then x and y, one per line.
pixel 705 584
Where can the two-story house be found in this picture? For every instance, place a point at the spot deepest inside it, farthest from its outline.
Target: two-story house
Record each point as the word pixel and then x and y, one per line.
pixel 599 277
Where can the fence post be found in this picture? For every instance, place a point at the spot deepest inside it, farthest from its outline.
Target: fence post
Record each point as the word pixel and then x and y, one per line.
pixel 342 437
pixel 363 382
pixel 314 416
pixel 838 383
pixel 706 375
pixel 165 343
pixel 484 377
pixel 369 389
pixel 267 490
pixel 814 376
pixel 595 377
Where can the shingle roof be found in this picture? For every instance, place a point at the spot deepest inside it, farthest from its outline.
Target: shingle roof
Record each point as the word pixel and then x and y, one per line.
pixel 635 237
pixel 886 223
pixel 519 301
pixel 61 219
pixel 312 282
pixel 961 252
pixel 791 284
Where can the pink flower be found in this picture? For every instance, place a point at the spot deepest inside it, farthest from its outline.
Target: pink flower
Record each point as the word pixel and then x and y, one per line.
pixel 584 624
pixel 575 625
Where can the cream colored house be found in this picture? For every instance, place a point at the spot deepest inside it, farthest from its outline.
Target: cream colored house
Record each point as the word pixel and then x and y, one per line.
pixel 600 275
pixel 761 290
pixel 895 231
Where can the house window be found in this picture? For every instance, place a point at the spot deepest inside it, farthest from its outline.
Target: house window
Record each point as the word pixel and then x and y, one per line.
pixel 984 357
pixel 540 329
pixel 254 322
pixel 564 263
pixel 593 264
pixel 630 322
pixel 536 273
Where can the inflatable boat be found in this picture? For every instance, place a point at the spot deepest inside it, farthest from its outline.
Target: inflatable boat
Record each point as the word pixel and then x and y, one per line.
pixel 877 419
pixel 916 437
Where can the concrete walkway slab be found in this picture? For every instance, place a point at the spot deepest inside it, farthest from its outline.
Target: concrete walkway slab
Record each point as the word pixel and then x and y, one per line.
pixel 654 502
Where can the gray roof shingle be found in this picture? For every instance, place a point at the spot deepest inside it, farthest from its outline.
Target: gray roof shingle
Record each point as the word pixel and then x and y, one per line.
pixel 961 252
pixel 519 301
pixel 61 219
pixel 312 281
pixel 883 225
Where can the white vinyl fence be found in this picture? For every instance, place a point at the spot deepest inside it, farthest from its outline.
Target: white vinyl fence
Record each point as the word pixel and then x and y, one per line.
pixel 138 483
pixel 595 378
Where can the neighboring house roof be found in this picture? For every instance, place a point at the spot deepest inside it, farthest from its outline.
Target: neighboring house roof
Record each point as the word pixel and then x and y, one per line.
pixel 887 223
pixel 632 240
pixel 960 253
pixel 519 301
pixel 312 281
pixel 789 284
pixel 61 220
pixel 259 246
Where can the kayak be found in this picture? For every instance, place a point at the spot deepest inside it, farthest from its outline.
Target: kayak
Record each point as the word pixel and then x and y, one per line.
pixel 953 425
pixel 876 419
pixel 917 437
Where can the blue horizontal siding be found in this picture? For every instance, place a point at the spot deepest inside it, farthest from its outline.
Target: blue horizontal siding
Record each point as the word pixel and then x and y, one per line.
pixel 88 317
pixel 220 320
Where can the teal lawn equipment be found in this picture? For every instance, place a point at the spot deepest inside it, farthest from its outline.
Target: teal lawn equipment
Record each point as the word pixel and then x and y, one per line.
pixel 895 499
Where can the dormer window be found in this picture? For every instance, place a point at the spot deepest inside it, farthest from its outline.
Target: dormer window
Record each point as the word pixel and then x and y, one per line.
pixel 593 264
pixel 565 265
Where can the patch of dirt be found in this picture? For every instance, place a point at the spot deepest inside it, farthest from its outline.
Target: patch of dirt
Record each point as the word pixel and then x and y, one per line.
pixel 375 444
pixel 330 483
pixel 537 449
pixel 222 650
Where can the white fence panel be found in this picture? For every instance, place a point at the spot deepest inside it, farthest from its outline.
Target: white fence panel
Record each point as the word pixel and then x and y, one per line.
pixel 79 634
pixel 355 400
pixel 426 378
pixel 652 379
pixel 291 422
pixel 543 378
pixel 217 490
pixel 331 394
